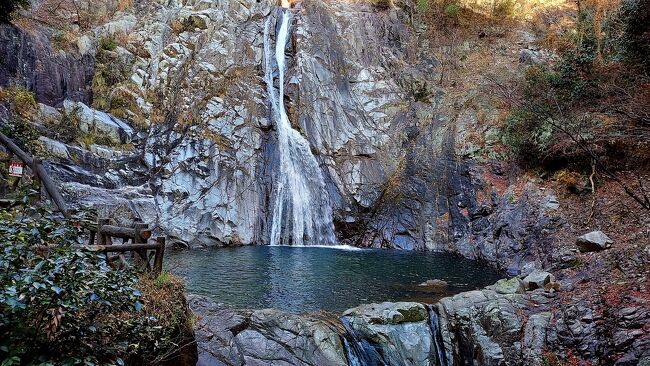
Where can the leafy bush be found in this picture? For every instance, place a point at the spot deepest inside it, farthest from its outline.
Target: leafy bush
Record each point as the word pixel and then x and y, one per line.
pixel 110 70
pixel 452 10
pixel 635 15
pixel 62 304
pixel 67 130
pixel 107 44
pixel 20 99
pixel 422 5
pixel 591 106
pixel 22 133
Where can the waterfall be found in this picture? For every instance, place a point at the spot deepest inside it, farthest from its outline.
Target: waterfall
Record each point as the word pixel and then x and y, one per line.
pixel 358 350
pixel 443 357
pixel 301 209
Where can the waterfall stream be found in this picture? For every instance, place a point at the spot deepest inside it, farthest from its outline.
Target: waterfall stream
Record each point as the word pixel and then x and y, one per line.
pixel 358 350
pixel 443 356
pixel 301 209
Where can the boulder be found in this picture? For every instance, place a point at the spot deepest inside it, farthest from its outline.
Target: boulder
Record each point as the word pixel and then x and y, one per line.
pixel 94 121
pixel 227 336
pixel 399 331
pixel 509 286
pixel 85 45
pixel 539 279
pixel 54 148
pixel 550 202
pixel 593 241
pixel 529 57
pixel 49 114
pixel 436 286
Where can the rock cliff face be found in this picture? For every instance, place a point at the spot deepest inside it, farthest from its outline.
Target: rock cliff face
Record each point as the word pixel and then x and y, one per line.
pixel 29 59
pixel 360 87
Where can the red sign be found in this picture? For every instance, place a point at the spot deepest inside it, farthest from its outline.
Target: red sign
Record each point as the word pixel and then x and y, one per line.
pixel 15 169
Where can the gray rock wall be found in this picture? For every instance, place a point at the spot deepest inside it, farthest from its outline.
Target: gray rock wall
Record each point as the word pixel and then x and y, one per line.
pixel 30 60
pixel 361 88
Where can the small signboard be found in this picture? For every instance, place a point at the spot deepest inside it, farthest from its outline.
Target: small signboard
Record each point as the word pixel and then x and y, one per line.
pixel 15 169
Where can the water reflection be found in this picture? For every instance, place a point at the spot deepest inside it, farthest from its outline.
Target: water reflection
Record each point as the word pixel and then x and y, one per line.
pixel 308 279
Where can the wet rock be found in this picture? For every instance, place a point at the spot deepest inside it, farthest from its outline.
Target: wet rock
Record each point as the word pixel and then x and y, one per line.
pixel 483 327
pixel 400 331
pixel 593 241
pixel 389 312
pixel 226 336
pixel 535 340
pixel 437 286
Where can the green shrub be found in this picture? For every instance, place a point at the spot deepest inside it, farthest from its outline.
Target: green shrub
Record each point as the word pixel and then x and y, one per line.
pixel 422 5
pixel 67 130
pixel 22 133
pixel 21 100
pixel 452 10
pixel 62 304
pixel 107 44
pixel 59 39
pixel 532 127
pixel 635 16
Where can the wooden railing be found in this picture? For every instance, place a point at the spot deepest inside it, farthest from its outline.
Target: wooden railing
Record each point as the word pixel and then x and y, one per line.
pixel 136 239
pixel 39 171
pixel 143 249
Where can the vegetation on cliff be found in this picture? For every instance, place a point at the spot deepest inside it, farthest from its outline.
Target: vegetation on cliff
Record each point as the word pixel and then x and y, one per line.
pixel 62 304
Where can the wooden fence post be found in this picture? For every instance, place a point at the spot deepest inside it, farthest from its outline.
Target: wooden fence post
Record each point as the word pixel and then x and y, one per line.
pixel 101 238
pixel 160 252
pixel 39 171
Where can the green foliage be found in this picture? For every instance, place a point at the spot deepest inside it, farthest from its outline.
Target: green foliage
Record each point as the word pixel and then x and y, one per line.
pixel 67 130
pixel 588 100
pixel 62 304
pixel 21 100
pixel 94 138
pixel 422 5
pixel 110 70
pixel 635 16
pixel 107 44
pixel 22 133
pixel 8 7
pixel 452 10
pixel 163 280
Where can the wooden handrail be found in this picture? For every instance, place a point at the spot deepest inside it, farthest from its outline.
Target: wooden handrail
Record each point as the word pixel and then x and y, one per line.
pixel 122 247
pixel 124 232
pixel 39 171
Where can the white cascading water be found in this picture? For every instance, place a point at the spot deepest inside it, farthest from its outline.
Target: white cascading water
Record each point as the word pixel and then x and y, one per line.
pixel 301 209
